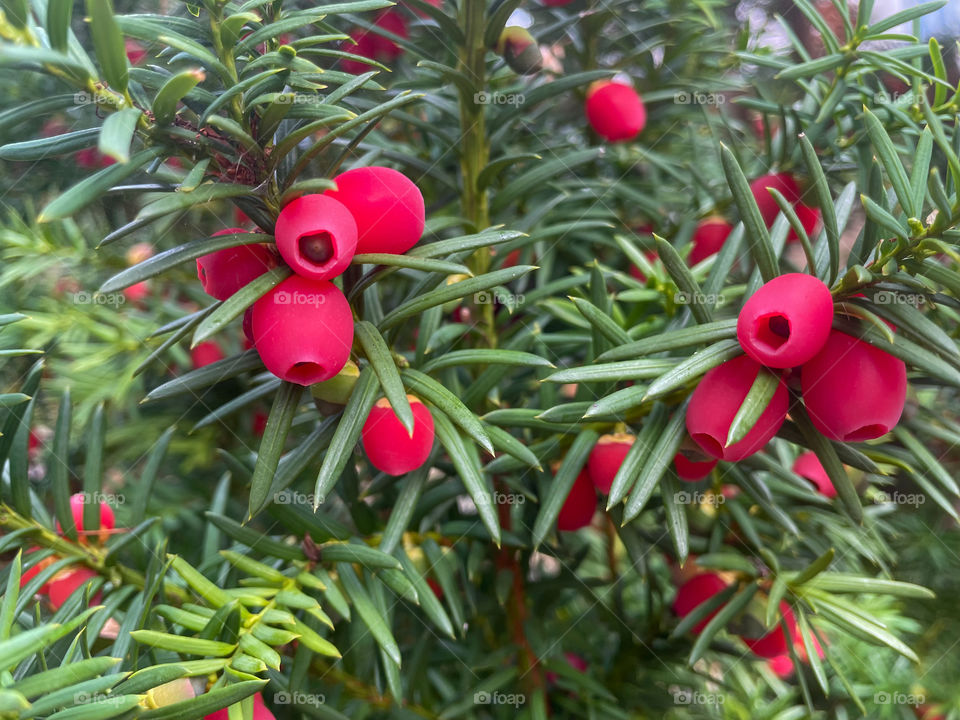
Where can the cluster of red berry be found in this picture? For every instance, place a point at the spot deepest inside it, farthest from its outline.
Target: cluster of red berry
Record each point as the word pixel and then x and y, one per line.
pixel 303 328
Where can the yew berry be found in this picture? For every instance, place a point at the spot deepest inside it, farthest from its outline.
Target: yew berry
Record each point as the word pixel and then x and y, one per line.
pixel 38 567
pixel 137 292
pixel 393 22
pixel 107 519
pixel 775 642
pixel 260 711
pixel 715 403
pixel 808 466
pixel 581 503
pixel 607 457
pixel 317 236
pixel 387 206
pixel 853 391
pixel 303 330
pixel 138 253
pixel 787 186
pixel 781 665
pixel 615 111
pixel 135 51
pixel 786 322
pixel 520 50
pixel 388 445
pixel 696 591
pixel 225 271
pixel 64 584
pixel 206 353
pixel 692 470
pixel 708 238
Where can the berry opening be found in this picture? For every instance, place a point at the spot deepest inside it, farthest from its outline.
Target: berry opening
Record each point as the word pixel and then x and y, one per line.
pixel 773 331
pixel 866 432
pixel 305 371
pixel 709 443
pixel 317 248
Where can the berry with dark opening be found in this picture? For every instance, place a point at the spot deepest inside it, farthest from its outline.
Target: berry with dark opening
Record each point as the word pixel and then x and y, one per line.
pixel 693 593
pixel 387 206
pixel 303 330
pixel 607 457
pixel 107 520
pixel 786 322
pixel 715 403
pixel 692 470
pixel 581 503
pixel 317 236
pixel 615 111
pixel 853 391
pixel 388 445
pixel 808 465
pixel 225 271
pixel 708 238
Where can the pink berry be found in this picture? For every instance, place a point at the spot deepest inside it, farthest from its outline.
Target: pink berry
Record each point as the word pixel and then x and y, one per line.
pixel 615 111
pixel 317 236
pixel 388 208
pixel 580 505
pixel 260 711
pixel 709 238
pixel 696 591
pixel 303 330
pixel 387 443
pixel 64 584
pixel 853 391
pixel 786 322
pixel 775 642
pixel 781 665
pixel 692 470
pixel 808 466
pixel 107 519
pixel 606 458
pixel 784 184
pixel 716 401
pixel 206 353
pixel 225 271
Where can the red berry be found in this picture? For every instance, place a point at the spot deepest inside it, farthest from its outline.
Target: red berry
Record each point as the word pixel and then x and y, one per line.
pixel 808 466
pixel 852 390
pixel 715 403
pixel 28 575
pixel 388 208
pixel 581 503
pixel 260 711
pixel 782 182
pixel 93 159
pixel 225 271
pixel 134 50
pixel 696 591
pixel 206 353
pixel 708 238
pixel 317 236
pixel 63 585
pixel 385 49
pixel 775 642
pixel 615 110
pixel 387 443
pixel 781 665
pixel 606 458
pixel 303 330
pixel 786 322
pixel 107 519
pixel 259 423
pixel 363 45
pixel 692 470
pixel 809 218
pixel 137 292
pixel 248 327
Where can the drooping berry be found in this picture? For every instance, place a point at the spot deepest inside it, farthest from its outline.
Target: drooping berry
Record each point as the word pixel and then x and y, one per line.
pixel 607 457
pixel 786 322
pixel 581 503
pixel 692 470
pixel 615 111
pixel 316 236
pixel 225 271
pixel 696 591
pixel 387 443
pixel 708 238
pixel 107 520
pixel 387 206
pixel 852 390
pixel 303 330
pixel 808 465
pixel 715 403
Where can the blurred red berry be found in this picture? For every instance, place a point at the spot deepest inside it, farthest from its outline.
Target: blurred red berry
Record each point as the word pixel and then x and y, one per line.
pixel 775 642
pixel 708 238
pixel 64 584
pixel 580 505
pixel 607 457
pixel 696 591
pixel 388 445
pixel 107 519
pixel 692 470
pixel 206 353
pixel 260 711
pixel 134 50
pixel 808 466
pixel 615 110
